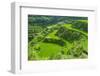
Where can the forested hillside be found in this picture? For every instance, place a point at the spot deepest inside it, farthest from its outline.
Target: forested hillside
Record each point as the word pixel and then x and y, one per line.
pixel 57 37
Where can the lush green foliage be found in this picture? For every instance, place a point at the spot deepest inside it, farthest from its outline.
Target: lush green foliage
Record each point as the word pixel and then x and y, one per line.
pixel 57 37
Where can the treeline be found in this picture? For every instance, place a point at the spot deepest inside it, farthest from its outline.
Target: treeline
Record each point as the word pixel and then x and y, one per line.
pixel 48 20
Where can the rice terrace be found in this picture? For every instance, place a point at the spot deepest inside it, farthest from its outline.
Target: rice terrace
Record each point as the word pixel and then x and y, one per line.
pixel 57 37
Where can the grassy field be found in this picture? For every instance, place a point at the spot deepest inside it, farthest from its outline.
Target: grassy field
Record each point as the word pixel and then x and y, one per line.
pixel 54 37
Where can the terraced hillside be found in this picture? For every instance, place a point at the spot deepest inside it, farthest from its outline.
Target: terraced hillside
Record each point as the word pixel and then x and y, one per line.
pixel 57 37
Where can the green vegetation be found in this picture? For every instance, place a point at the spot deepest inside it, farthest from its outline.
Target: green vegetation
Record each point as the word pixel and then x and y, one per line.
pixel 57 37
